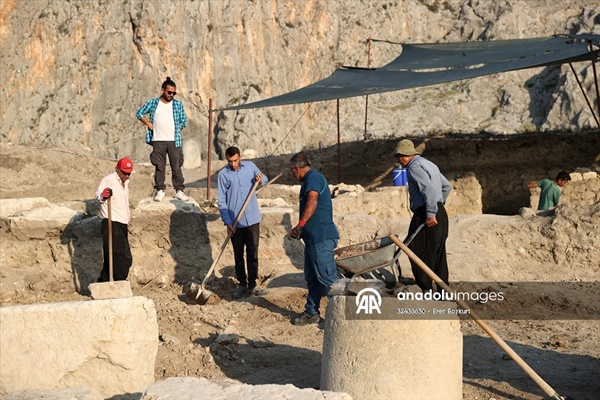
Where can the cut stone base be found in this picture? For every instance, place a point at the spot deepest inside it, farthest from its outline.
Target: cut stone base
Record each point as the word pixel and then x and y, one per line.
pixel 401 357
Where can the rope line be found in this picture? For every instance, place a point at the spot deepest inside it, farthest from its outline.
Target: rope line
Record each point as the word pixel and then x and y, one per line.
pixel 386 41
pixel 291 129
pixel 74 153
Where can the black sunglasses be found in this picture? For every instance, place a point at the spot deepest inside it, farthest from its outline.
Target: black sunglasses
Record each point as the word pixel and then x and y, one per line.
pixel 171 93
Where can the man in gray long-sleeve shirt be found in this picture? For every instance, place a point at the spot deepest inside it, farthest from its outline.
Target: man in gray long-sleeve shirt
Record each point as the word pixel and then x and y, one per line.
pixel 428 190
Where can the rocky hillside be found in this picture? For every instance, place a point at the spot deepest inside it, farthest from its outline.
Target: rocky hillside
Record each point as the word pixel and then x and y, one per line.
pixel 73 73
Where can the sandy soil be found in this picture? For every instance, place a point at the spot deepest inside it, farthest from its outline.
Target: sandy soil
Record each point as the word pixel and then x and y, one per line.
pixel 558 338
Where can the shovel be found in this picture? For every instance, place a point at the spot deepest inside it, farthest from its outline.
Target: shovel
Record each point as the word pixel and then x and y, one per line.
pixel 112 289
pixel 550 392
pixel 198 294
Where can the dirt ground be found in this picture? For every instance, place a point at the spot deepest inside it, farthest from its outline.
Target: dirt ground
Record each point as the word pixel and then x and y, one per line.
pixel 558 338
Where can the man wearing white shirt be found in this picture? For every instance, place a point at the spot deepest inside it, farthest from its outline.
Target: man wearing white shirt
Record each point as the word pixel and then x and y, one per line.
pixel 116 187
pixel 166 119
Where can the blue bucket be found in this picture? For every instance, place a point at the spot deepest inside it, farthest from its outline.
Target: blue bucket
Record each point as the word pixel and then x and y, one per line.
pixel 399 176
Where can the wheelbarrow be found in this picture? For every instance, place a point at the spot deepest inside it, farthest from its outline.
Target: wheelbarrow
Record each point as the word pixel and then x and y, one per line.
pixel 373 258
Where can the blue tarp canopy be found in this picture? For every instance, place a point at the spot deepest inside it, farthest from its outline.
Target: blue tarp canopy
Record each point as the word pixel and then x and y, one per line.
pixel 430 64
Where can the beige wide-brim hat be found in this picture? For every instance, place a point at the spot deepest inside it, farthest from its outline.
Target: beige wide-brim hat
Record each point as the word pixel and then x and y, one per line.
pixel 406 148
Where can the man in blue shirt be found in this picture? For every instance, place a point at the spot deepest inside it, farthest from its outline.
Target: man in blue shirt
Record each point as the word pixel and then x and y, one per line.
pixel 166 119
pixel 319 233
pixel 428 190
pixel 235 182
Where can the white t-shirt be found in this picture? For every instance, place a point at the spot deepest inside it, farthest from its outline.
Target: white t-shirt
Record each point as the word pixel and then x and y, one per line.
pixel 164 124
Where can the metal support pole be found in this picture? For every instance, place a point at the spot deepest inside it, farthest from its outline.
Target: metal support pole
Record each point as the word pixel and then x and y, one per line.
pixel 367 96
pixel 209 149
pixel 596 83
pixel 339 152
pixel 585 95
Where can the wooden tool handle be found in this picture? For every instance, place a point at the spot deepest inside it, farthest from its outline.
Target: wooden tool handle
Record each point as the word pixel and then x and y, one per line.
pixel 237 219
pixel 540 382
pixel 110 243
pixel 268 183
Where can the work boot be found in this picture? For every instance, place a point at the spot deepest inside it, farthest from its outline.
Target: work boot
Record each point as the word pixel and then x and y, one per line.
pixel 307 319
pixel 160 194
pixel 239 292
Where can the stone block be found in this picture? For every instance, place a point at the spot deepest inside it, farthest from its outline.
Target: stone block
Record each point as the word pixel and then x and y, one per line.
pixel 346 202
pixel 191 154
pixel 106 345
pixel 10 207
pixel 288 193
pixel 357 357
pixel 589 175
pixel 79 393
pixel 37 223
pixel 576 176
pixel 386 204
pixel 196 388
pixel 110 290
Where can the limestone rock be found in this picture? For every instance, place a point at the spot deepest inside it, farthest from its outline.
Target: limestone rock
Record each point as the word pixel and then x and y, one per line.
pixel 10 207
pixel 78 393
pixel 36 223
pixel 114 354
pixel 192 154
pixel 228 336
pixel 101 79
pixel 262 342
pixel 190 388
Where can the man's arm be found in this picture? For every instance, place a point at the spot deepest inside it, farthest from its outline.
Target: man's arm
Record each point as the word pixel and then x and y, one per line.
pixel 259 176
pixel 532 185
pixel 222 200
pixel 145 121
pixel 182 118
pixel 427 190
pixel 312 201
pixel 140 114
pixel 446 188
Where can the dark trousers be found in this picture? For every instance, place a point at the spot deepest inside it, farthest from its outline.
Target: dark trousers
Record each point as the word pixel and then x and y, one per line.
pixel 158 158
pixel 246 237
pixel 121 252
pixel 430 246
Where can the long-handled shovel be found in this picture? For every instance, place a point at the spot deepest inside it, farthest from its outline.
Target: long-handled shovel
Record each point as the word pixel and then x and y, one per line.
pixel 199 294
pixel 550 392
pixel 112 289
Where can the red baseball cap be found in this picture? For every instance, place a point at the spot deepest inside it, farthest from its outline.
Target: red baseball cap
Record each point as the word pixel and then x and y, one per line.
pixel 126 165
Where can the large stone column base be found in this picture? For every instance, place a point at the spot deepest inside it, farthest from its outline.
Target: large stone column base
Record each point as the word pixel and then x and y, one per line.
pixel 401 357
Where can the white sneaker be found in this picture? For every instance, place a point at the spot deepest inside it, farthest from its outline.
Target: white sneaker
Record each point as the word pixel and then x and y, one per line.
pixel 180 195
pixel 160 194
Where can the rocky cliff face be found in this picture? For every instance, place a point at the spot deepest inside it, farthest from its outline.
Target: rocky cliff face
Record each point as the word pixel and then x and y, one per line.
pixel 73 73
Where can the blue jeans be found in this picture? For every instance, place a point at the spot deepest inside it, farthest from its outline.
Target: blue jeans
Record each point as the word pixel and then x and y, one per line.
pixel 319 272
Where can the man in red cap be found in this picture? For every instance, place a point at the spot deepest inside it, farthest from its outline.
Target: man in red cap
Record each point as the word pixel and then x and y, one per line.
pixel 116 187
